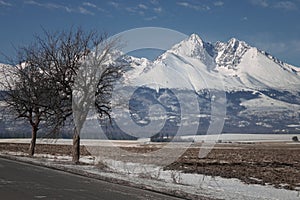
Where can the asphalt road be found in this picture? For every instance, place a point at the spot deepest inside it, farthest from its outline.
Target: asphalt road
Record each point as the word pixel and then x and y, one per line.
pixel 22 181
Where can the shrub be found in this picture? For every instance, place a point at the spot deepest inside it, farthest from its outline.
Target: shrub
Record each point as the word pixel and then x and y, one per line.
pixel 295 139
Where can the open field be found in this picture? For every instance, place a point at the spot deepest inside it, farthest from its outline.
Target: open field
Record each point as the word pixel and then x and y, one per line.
pixel 274 163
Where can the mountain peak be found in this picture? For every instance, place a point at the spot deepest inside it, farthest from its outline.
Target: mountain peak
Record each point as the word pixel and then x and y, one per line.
pixel 233 40
pixel 230 53
pixel 235 43
pixel 194 47
pixel 195 39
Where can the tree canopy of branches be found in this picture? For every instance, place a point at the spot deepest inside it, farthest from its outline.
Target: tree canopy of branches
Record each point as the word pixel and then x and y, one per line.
pixel 58 67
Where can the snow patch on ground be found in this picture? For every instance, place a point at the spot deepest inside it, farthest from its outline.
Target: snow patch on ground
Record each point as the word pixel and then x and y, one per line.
pixel 244 137
pixel 233 137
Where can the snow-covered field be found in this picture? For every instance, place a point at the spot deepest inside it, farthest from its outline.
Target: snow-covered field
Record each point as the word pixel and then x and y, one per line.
pixel 245 137
pixel 198 138
pixel 221 187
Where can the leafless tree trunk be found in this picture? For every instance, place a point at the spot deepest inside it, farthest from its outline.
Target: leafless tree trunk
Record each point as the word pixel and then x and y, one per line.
pixel 76 147
pixel 33 140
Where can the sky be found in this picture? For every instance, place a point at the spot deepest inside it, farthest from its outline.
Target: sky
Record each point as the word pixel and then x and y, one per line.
pixel 270 25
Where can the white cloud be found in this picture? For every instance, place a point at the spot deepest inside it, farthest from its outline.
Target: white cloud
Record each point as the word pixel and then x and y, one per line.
pixel 185 4
pixel 85 11
pixel 283 5
pixel 68 9
pixel 143 6
pixel 158 9
pixel 154 2
pixel 4 3
pixel 193 6
pixel 150 18
pixel 219 3
pixel 89 4
pixel 93 6
pixel 135 10
pixel 114 4
pixel 244 18
pixel 35 3
pixel 45 5
pixel 286 5
pixel 261 3
pixel 130 9
pixel 148 10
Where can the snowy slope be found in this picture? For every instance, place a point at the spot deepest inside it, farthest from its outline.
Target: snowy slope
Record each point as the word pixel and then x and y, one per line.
pixel 4 71
pixel 259 72
pixel 179 72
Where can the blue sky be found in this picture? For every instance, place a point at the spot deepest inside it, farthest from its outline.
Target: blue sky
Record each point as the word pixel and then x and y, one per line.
pixel 271 25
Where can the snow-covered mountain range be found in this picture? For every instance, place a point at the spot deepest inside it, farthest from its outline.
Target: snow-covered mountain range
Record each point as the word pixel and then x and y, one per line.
pixel 235 63
pixel 262 92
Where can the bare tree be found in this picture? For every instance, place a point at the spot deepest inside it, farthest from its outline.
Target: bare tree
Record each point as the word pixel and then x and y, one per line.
pixel 93 87
pixel 28 95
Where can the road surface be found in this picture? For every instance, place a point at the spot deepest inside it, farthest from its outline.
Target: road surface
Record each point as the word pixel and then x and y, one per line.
pixel 24 181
